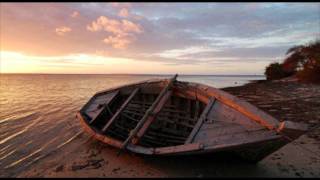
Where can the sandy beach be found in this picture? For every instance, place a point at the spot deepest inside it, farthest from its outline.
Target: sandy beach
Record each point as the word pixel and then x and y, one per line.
pixel 86 157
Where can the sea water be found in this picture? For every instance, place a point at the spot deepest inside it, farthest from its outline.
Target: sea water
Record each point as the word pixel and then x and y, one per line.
pixel 37 111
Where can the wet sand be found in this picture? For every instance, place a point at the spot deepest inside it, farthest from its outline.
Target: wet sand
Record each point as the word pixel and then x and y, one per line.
pixel 86 157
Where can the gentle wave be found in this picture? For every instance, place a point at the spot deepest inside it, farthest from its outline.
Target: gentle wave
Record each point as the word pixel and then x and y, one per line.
pixel 20 132
pixel 30 155
pixel 3 150
pixel 23 115
pixel 8 154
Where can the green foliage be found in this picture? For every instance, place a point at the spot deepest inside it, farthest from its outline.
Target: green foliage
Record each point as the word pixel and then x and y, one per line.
pixel 275 71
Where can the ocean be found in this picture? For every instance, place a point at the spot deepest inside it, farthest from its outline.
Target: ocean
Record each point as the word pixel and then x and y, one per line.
pixel 37 111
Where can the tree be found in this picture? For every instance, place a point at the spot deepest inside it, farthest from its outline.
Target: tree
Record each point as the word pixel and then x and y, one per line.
pixel 303 61
pixel 298 56
pixel 311 65
pixel 275 71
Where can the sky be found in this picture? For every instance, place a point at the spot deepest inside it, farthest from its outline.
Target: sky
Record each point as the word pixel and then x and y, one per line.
pixel 152 38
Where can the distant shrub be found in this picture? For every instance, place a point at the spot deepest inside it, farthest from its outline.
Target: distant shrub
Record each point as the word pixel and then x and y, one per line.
pixel 275 71
pixel 302 61
pixel 305 60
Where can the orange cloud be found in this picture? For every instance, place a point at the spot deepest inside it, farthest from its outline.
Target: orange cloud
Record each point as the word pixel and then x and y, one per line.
pixel 114 26
pixel 123 31
pixel 123 12
pixel 75 14
pixel 62 30
pixel 118 42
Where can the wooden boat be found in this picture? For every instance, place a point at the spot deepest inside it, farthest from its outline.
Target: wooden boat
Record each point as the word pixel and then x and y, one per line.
pixel 170 117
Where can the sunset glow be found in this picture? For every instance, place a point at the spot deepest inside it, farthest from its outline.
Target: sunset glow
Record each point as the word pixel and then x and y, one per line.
pixel 199 38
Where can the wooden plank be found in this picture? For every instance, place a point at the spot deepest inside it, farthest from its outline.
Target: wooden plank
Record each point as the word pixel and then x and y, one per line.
pixel 103 98
pixel 200 120
pixel 162 140
pixel 92 107
pixel 160 118
pixel 174 132
pixel 117 133
pixel 140 149
pixel 109 110
pixel 222 112
pixel 147 104
pixel 129 117
pixel 191 93
pixel 104 106
pixel 111 141
pixel 163 114
pixel 153 133
pixel 240 138
pixel 98 136
pixel 151 111
pixel 220 124
pixel 205 133
pixel 165 109
pixel 179 148
pixel 239 105
pixel 188 108
pixel 197 109
pixel 243 107
pixel 116 115
pixel 151 118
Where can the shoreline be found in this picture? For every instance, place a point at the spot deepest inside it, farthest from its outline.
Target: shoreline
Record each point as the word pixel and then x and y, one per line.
pixel 85 157
pixel 282 98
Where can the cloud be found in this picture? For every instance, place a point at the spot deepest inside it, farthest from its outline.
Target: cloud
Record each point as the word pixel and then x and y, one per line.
pixel 123 13
pixel 118 42
pixel 75 14
pixel 180 53
pixel 174 33
pixel 114 26
pixel 123 31
pixel 62 30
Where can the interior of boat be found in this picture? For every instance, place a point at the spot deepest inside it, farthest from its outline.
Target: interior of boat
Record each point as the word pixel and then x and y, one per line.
pixel 171 126
pixel 164 114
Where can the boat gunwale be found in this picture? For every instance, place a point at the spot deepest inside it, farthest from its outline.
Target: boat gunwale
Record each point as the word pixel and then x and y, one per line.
pixel 109 90
pixel 134 148
pixel 192 148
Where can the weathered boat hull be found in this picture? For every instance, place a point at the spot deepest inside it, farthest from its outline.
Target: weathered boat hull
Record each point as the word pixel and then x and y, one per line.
pixel 169 117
